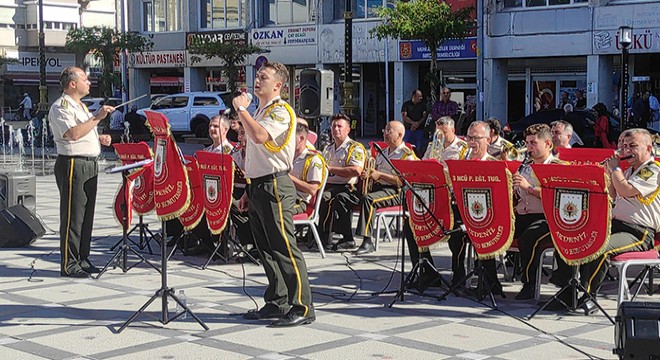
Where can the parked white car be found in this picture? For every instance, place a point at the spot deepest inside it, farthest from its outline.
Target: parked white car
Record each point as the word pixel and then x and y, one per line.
pixel 190 112
pixel 93 104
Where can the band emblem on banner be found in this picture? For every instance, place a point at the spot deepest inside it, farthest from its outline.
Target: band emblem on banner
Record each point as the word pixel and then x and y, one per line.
pixel 217 178
pixel 480 207
pixel 571 208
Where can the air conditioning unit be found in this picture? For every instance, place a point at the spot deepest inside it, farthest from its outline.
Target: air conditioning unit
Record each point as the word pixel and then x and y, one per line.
pixel 18 188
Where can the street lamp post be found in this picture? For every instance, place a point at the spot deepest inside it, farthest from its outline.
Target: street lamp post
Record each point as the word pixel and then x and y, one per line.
pixel 348 106
pixel 43 89
pixel 625 39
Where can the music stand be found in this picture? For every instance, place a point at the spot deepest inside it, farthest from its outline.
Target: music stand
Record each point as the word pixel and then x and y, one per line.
pixel 125 248
pixel 145 234
pixel 478 186
pixel 589 190
pixel 422 263
pixel 224 241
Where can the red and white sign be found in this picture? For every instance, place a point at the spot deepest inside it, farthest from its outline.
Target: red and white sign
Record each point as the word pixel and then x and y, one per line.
pixel 157 59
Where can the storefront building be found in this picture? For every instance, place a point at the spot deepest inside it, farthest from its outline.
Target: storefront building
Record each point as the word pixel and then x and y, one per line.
pixel 538 51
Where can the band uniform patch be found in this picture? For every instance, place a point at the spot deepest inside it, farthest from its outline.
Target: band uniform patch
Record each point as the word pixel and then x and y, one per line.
pixel 645 173
pixel 211 188
pixel 571 208
pixel 276 117
pixel 358 155
pixel 479 205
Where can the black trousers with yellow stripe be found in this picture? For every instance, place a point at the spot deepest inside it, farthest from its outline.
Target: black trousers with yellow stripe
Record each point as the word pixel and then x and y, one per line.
pixel 381 196
pixel 271 202
pixel 533 235
pixel 76 179
pixel 336 207
pixel 625 237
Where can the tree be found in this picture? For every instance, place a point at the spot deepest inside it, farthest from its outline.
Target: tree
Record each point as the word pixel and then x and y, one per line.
pixel 231 53
pixel 431 21
pixel 105 44
pixel 7 60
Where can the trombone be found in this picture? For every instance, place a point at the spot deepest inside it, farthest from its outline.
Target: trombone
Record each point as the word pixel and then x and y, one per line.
pixel 369 168
pixel 437 145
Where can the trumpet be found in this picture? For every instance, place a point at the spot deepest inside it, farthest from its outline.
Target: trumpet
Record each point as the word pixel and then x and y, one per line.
pixel 437 145
pixel 513 153
pixel 369 168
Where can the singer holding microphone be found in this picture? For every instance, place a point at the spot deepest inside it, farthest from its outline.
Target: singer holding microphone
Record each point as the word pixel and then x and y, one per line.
pixel 76 170
pixel 270 198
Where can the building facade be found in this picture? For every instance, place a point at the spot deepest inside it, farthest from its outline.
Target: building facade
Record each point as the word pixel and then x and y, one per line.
pixel 19 30
pixel 538 51
pixel 299 33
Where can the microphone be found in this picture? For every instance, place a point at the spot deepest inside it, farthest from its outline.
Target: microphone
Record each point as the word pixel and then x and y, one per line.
pixel 228 110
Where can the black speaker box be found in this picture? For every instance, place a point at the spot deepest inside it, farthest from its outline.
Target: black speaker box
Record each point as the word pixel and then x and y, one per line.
pixel 316 93
pixel 637 331
pixel 19 227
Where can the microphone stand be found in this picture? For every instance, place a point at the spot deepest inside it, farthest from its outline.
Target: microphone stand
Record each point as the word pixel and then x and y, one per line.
pixel 406 186
pixel 120 258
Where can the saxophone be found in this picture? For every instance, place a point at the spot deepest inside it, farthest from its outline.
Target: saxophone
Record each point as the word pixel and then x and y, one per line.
pixel 437 145
pixel 369 168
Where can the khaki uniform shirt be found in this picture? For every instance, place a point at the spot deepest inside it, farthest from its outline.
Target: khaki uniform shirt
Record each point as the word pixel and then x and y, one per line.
pixel 530 204
pixel 64 114
pixel 349 153
pixel 402 152
pixel 455 151
pixel 267 158
pixel 225 148
pixel 631 209
pixel 308 167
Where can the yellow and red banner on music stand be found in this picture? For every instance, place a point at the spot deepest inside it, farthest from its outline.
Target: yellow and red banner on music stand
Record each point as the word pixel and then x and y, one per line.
pixel 217 181
pixel 171 188
pixel 427 177
pixel 577 209
pixel 195 211
pixel 483 191
pixel 141 180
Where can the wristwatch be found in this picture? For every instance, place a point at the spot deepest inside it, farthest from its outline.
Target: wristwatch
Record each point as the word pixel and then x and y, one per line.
pixel 242 108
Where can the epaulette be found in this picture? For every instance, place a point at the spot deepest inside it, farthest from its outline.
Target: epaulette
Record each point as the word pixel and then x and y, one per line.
pixel 559 162
pixel 64 103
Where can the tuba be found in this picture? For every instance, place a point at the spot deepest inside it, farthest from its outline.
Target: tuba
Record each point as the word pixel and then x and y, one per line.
pixel 369 168
pixel 513 152
pixel 437 145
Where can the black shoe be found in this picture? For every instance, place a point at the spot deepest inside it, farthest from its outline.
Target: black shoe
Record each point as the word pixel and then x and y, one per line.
pixel 293 319
pixel 366 248
pixel 80 274
pixel 269 311
pixel 558 281
pixel 343 245
pixel 89 268
pixel 527 292
pixel 588 305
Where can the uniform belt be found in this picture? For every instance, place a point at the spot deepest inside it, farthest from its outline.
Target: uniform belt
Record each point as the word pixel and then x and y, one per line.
pixel 88 158
pixel 268 177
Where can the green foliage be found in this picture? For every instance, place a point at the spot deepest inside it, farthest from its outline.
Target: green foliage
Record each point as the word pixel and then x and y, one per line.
pixel 106 44
pixel 430 21
pixel 7 60
pixel 232 55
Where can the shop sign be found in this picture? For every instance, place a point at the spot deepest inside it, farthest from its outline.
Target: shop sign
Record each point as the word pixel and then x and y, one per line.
pixel 297 35
pixel 29 62
pixel 449 49
pixel 644 40
pixel 236 37
pixel 153 59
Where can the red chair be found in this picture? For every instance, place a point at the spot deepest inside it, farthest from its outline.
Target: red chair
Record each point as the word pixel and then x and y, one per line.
pixel 311 215
pixel 647 259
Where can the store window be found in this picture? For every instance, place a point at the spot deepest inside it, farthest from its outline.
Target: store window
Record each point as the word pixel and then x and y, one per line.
pixel 541 3
pixel 221 14
pixel 362 9
pixel 161 15
pixel 284 12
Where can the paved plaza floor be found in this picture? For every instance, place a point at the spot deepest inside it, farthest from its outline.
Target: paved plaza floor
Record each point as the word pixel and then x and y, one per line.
pixel 44 316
